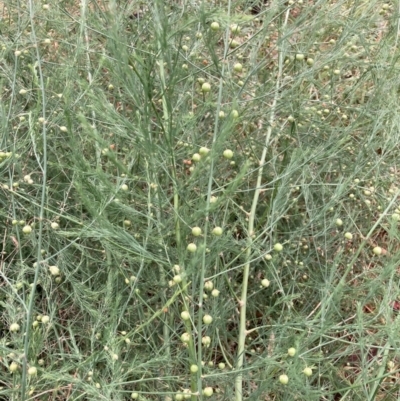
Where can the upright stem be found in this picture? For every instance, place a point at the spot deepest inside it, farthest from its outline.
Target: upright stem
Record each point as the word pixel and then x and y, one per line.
pixel 243 300
pixel 43 168
pixel 159 18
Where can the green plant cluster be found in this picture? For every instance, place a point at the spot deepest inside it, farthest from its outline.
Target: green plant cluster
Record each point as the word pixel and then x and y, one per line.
pixel 199 200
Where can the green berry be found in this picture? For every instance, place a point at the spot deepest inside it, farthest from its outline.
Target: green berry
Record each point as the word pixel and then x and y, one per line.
pixel 235 28
pixel 196 231
pixel 27 229
pixel 234 44
pixel 204 151
pixel 206 87
pixel 196 157
pixel 238 67
pixel 32 371
pixel 291 351
pixel 54 270
pixel 228 154
pixel 214 26
pixel 377 250
pixel 307 371
pixel 206 340
pixel 13 367
pixel 192 247
pixel 185 315
pixel 208 391
pixel 45 319
pixel 283 379
pixel 217 231
pixel 208 285
pixel 265 283
pixel 14 327
pixel 185 337
pixel 278 247
pixel 207 319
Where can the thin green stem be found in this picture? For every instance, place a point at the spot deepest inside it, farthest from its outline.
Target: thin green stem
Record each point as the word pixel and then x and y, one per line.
pixel 167 124
pixel 43 167
pixel 209 192
pixel 246 269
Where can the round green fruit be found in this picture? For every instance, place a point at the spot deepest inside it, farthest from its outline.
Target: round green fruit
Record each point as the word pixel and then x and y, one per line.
pixel 207 319
pixel 196 157
pixel 196 231
pixel 204 151
pixel 238 67
pixel 192 247
pixel 208 391
pixel 14 327
pixel 214 26
pixel 228 154
pixel 206 87
pixel 185 315
pixel 13 367
pixel 217 231
pixel 377 250
pixel 32 371
pixel 265 283
pixel 235 28
pixel 27 229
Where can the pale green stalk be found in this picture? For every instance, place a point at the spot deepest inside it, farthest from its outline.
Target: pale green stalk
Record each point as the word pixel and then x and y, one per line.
pixel 167 123
pixel 209 191
pixel 246 270
pixel 84 31
pixel 43 168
